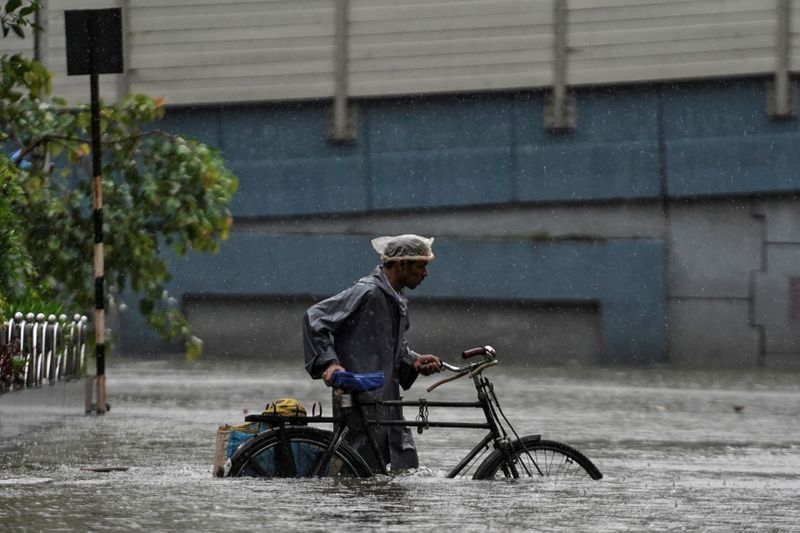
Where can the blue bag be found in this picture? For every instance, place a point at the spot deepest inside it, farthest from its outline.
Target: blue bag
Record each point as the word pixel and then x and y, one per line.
pixel 350 382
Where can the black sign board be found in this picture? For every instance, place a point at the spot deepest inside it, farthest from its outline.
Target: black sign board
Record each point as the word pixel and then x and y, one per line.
pixel 94 41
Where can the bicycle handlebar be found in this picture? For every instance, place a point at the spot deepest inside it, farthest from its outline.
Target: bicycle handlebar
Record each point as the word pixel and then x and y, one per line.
pixel 481 350
pixel 445 380
pixel 472 352
pixel 472 368
pixel 452 368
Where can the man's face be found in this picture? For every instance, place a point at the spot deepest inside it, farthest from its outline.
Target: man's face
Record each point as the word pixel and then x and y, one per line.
pixel 412 273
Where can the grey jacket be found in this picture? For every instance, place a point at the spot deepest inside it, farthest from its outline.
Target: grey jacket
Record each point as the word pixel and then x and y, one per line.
pixel 363 328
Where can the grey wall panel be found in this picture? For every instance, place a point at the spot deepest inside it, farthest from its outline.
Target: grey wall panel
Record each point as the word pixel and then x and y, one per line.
pixel 794 38
pixel 231 51
pixel 521 333
pixel 776 301
pixel 14 45
pixel 782 221
pixel 400 47
pixel 712 332
pixel 204 51
pixel 641 41
pixel 713 251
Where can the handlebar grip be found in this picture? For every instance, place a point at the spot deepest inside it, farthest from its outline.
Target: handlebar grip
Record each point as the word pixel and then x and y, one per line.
pixel 472 352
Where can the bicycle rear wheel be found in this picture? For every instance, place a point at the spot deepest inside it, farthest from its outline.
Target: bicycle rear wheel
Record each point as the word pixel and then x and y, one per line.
pixel 265 456
pixel 537 458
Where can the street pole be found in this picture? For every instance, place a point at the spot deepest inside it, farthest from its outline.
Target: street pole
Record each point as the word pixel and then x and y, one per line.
pixel 99 267
pixel 94 47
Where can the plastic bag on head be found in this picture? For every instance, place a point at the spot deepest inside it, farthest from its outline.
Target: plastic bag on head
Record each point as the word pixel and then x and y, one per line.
pixel 408 247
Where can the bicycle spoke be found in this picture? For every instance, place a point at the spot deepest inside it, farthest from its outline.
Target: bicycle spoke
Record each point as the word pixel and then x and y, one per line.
pixel 300 451
pixel 252 462
pixel 540 459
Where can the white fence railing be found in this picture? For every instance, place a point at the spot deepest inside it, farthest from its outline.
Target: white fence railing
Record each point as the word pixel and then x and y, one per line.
pixel 40 350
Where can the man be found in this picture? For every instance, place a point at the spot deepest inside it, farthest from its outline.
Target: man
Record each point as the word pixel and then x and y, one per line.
pixel 362 329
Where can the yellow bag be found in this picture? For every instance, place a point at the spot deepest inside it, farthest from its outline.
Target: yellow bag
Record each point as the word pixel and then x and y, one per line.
pixel 285 407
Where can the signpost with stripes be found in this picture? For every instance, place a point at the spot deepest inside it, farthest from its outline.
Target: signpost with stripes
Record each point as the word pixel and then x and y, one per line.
pixel 94 47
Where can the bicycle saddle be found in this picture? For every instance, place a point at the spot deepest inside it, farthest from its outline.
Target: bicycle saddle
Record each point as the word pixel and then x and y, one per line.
pixel 351 382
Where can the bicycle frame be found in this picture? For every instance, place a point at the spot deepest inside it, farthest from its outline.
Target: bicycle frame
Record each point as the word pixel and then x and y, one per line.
pixel 513 455
pixel 351 405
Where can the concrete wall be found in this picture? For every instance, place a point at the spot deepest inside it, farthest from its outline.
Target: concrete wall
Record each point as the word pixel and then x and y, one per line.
pixel 728 298
pixel 631 144
pixel 726 269
pixel 776 307
pixel 732 296
pixel 269 328
pixel 235 51
pixel 669 210
pixel 624 278
pixel 714 249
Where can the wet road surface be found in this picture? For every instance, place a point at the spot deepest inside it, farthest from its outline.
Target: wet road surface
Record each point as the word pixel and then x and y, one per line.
pixel 680 451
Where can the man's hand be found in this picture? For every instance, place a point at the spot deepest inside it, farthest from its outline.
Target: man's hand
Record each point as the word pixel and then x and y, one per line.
pixel 327 374
pixel 427 364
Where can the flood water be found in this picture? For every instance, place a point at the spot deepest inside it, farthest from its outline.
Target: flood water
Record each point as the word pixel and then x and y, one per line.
pixel 680 450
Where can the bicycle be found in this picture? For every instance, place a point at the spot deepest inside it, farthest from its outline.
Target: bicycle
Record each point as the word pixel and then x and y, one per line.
pixel 292 449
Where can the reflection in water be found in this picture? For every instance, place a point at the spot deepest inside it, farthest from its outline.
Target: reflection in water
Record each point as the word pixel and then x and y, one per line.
pixel 675 450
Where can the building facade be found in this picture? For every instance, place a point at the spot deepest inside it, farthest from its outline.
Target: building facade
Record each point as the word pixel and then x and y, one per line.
pixel 608 181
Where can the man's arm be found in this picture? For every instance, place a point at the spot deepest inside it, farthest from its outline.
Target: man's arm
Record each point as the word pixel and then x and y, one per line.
pixel 317 344
pixel 412 364
pixel 320 323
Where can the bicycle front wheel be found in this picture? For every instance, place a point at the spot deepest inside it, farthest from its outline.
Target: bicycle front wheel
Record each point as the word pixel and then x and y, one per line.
pixel 537 458
pixel 296 453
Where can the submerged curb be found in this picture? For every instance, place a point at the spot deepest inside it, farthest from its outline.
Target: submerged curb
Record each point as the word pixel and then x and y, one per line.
pixel 24 409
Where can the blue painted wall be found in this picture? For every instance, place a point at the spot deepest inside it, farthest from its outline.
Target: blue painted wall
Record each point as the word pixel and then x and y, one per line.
pixel 630 143
pixel 612 154
pixel 625 277
pixel 633 143
pixel 720 140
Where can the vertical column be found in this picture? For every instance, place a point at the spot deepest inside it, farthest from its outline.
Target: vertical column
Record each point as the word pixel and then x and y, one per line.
pixel 41 37
pixel 123 78
pixel 99 267
pixel 560 109
pixel 341 122
pixel 781 99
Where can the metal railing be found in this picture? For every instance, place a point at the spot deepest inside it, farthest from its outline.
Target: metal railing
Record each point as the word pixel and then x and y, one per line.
pixel 44 349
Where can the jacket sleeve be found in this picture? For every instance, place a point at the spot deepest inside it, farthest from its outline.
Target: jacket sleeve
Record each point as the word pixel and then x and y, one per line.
pixel 321 322
pixel 405 370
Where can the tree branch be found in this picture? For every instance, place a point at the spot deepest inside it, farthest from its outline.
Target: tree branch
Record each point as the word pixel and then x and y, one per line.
pixel 49 138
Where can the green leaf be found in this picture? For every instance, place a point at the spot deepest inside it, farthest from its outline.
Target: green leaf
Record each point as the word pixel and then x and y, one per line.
pixel 11 5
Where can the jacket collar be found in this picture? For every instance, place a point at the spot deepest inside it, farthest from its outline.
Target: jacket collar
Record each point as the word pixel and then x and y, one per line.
pixel 378 278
